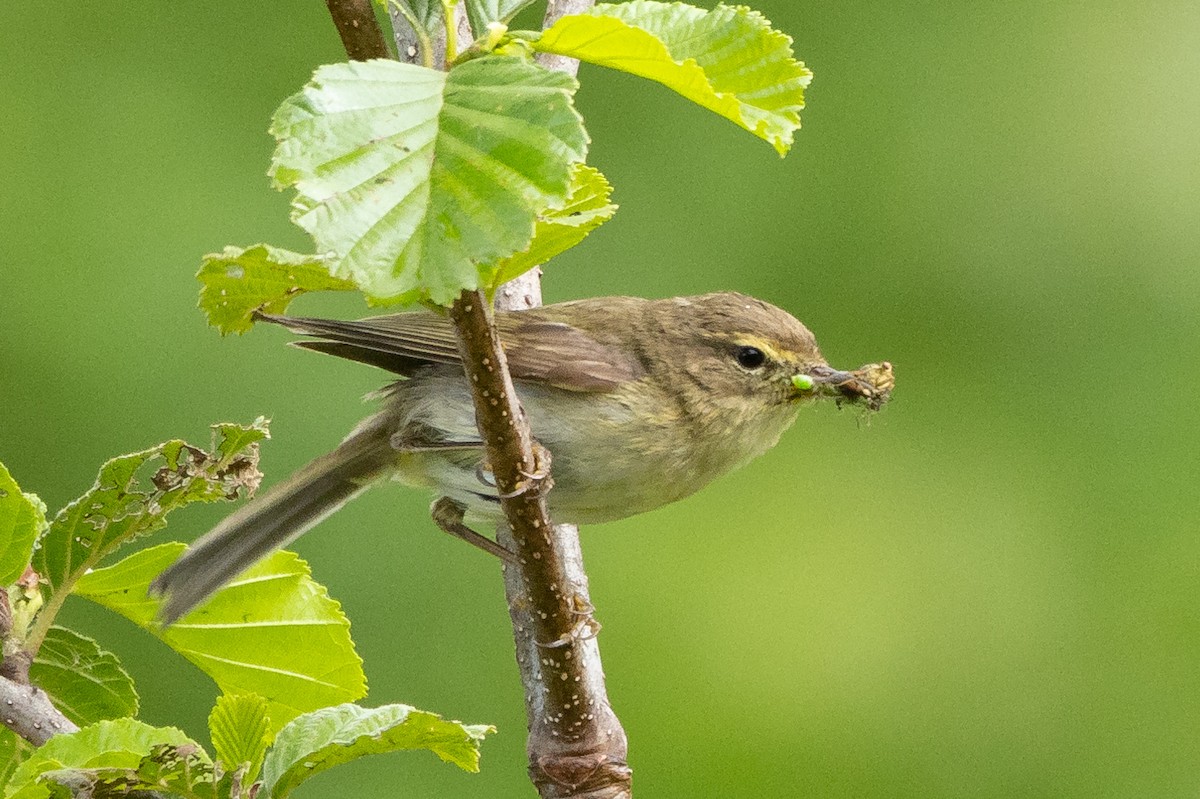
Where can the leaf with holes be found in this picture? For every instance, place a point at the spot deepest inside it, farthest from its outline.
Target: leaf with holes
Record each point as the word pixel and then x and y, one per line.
pixel 416 182
pixel 134 493
pixel 135 755
pixel 273 631
pixel 237 282
pixel 85 682
pixel 728 60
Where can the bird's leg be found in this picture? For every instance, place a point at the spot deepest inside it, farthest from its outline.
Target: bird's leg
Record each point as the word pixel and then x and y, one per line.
pixel 448 515
pixel 585 628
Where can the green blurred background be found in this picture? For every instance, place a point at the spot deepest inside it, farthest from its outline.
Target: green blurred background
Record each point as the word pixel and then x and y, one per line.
pixel 988 591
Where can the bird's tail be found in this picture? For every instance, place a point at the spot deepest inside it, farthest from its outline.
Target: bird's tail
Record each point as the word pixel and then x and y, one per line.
pixel 272 521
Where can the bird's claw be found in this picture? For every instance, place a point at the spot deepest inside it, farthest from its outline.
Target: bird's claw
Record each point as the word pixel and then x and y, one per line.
pixel 585 628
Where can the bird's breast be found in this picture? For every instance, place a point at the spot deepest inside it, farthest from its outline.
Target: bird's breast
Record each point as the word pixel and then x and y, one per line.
pixel 614 454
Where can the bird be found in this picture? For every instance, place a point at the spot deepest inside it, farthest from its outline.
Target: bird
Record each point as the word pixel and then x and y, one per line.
pixel 640 403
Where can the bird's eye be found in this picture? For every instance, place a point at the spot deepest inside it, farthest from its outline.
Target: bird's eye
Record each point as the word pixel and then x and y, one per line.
pixel 749 357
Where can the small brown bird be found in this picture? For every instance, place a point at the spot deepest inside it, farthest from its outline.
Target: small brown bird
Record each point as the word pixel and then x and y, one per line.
pixel 640 403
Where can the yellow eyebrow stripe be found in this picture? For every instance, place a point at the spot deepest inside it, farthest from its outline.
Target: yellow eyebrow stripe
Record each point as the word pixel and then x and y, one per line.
pixel 767 347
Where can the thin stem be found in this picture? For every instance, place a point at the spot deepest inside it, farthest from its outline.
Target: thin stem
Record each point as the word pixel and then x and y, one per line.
pixel 448 18
pixel 45 617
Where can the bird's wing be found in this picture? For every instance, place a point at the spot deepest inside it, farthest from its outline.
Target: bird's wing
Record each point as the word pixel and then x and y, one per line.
pixel 538 349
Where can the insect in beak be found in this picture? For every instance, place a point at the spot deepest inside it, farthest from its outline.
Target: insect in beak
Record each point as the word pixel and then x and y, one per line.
pixel 871 384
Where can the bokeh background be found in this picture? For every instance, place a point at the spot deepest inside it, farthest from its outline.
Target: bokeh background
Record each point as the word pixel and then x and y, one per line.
pixel 989 590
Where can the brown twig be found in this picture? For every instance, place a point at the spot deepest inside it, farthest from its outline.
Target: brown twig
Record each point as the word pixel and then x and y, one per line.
pixel 356 24
pixel 576 745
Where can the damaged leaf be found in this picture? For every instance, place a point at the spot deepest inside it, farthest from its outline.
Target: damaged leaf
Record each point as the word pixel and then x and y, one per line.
pixel 132 497
pixel 111 758
pixel 175 770
pixel 237 282
pixel 13 752
pixel 485 12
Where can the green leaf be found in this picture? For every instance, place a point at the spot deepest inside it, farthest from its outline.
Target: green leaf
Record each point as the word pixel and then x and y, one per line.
pixel 86 683
pixel 484 12
pixel 122 744
pixel 234 441
pixel 417 182
pixel 13 752
pixel 273 631
pixel 426 13
pixel 166 769
pixel 237 282
pixel 559 230
pixel 22 520
pixel 331 736
pixel 240 733
pixel 134 493
pixel 728 60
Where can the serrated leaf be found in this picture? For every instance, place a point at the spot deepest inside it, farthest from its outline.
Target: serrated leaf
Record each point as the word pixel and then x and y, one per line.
pixel 237 282
pixel 234 440
pixel 167 769
pixel 240 733
pixel 22 520
pixel 415 181
pixel 728 60
pixel 331 736
pixel 484 12
pixel 85 682
pixel 134 493
pixel 121 744
pixel 273 631
pixel 559 230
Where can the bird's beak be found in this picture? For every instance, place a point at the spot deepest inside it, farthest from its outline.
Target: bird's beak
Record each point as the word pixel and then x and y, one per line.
pixel 872 384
